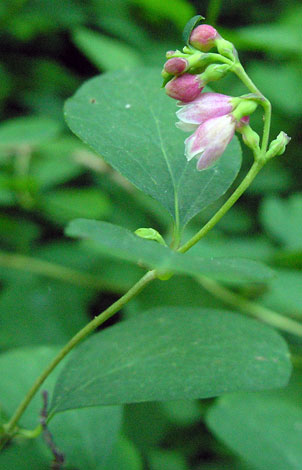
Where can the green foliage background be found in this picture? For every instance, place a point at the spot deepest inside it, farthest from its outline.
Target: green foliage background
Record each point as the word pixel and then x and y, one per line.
pixel 48 177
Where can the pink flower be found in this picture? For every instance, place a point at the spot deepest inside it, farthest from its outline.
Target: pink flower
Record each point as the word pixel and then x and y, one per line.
pixel 204 107
pixel 184 88
pixel 176 65
pixel 210 140
pixel 203 37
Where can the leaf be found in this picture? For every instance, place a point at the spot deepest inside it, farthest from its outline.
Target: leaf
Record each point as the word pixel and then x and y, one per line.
pixel 269 425
pixel 65 204
pixel 272 78
pixel 170 354
pixel 104 52
pixel 176 11
pixel 191 24
pixel 124 457
pixel 87 437
pixel 23 366
pixel 283 219
pixel 119 242
pixel 56 162
pixel 27 131
pixel 284 293
pixel 30 454
pixel 125 117
pixel 40 311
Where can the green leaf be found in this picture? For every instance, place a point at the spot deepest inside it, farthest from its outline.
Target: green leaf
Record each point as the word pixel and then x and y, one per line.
pixel 104 52
pixel 30 454
pixel 27 131
pixel 191 24
pixel 167 459
pixel 124 457
pixel 65 204
pixel 125 117
pixel 170 354
pixel 284 293
pixel 271 78
pixel 119 242
pixel 176 11
pixel 279 39
pixel 87 437
pixel 40 311
pixel 283 219
pixel 264 430
pixel 57 162
pixel 23 366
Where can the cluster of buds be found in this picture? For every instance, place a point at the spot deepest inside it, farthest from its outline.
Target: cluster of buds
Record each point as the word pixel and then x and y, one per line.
pixel 212 117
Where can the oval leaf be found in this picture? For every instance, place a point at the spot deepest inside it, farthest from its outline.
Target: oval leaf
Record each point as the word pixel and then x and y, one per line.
pixel 191 24
pixel 125 117
pixel 170 354
pixel 269 424
pixel 118 242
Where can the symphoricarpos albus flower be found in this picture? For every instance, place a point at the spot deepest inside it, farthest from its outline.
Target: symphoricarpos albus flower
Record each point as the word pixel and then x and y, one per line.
pixel 203 37
pixel 185 88
pixel 210 140
pixel 176 65
pixel 204 107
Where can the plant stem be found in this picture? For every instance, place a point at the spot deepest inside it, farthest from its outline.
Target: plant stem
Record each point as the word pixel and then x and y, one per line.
pixel 254 170
pixel 243 76
pixel 213 11
pixel 52 270
pixel 251 308
pixel 82 334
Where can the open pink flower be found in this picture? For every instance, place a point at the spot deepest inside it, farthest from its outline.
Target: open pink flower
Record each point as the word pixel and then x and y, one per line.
pixel 210 140
pixel 204 107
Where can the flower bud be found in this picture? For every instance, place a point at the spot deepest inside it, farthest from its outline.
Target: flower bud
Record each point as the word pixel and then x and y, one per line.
pixel 249 137
pixel 150 234
pixel 243 110
pixel 214 72
pixel 203 37
pixel 184 88
pixel 277 146
pixel 226 48
pixel 176 66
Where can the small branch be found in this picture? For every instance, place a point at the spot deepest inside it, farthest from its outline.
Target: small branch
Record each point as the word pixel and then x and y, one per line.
pixel 58 456
pixel 254 170
pixel 252 308
pixel 75 340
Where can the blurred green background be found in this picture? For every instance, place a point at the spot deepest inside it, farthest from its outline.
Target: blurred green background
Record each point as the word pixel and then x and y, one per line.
pixel 51 286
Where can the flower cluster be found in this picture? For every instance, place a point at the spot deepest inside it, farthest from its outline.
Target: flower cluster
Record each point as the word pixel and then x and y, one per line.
pixel 212 117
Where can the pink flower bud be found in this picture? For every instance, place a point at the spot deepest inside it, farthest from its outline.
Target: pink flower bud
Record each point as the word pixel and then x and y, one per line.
pixel 203 37
pixel 209 141
pixel 204 107
pixel 176 65
pixel 184 88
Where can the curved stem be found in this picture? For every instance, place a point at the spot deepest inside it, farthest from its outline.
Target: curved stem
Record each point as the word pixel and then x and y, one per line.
pixel 52 270
pixel 213 11
pixel 243 76
pixel 254 170
pixel 251 308
pixel 82 334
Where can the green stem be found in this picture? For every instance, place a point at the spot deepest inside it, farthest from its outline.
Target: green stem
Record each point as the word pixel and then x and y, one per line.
pixel 243 76
pixel 213 11
pixel 254 170
pixel 251 308
pixel 82 334
pixel 52 270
